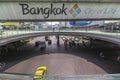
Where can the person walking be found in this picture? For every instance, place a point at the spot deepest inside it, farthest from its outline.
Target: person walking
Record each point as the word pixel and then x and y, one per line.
pixel 65 44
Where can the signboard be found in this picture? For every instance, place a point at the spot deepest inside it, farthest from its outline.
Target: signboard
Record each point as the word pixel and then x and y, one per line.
pixel 58 11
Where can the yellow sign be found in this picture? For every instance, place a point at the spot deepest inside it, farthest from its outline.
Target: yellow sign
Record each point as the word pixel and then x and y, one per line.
pixel 11 23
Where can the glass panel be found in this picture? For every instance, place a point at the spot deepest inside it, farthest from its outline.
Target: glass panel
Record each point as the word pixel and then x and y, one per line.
pixel 80 77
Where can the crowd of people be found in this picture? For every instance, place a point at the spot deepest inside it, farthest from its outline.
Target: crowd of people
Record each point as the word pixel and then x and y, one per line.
pixel 70 43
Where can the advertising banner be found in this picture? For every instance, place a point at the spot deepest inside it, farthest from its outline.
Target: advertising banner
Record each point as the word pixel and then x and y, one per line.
pixel 59 11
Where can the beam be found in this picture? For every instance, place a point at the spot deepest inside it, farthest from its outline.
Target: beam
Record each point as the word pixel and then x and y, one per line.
pixel 68 1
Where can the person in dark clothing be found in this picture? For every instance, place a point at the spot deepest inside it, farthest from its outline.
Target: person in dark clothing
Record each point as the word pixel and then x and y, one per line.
pixel 73 44
pixel 65 44
pixel 70 44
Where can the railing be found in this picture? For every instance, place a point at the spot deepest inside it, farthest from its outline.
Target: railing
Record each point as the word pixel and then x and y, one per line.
pixel 4 76
pixel 6 33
